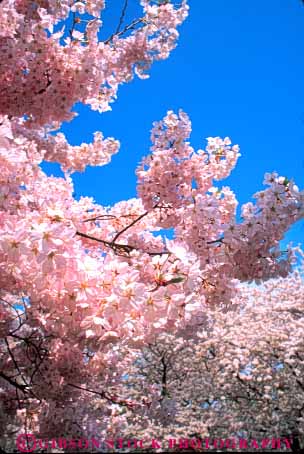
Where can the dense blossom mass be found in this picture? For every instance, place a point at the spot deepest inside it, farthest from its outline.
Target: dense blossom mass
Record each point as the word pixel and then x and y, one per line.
pixel 240 378
pixel 87 290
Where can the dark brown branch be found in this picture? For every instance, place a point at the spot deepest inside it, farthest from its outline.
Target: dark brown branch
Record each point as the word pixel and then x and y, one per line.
pixel 219 240
pixel 127 28
pixel 13 359
pixel 43 90
pixel 122 16
pixel 128 226
pixel 110 244
pixel 118 247
pixel 73 25
pixel 12 382
pixel 102 394
pixel 164 377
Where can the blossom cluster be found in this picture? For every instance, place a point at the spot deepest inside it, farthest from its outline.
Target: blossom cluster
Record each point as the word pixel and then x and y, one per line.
pixel 44 73
pixel 85 288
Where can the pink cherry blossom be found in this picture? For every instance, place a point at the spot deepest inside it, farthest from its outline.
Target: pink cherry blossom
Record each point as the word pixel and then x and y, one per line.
pixel 96 305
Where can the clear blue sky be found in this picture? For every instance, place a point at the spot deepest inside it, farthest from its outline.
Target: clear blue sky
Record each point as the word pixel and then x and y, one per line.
pixel 237 71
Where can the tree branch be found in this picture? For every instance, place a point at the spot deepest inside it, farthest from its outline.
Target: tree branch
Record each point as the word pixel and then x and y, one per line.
pixel 122 16
pixel 12 382
pixel 120 247
pixel 127 28
pixel 112 399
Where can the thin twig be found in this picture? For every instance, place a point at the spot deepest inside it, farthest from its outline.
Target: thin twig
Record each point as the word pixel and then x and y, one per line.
pixel 116 246
pixel 219 240
pixel 14 361
pixel 127 28
pixel 112 399
pixel 128 226
pixel 125 247
pixel 12 382
pixel 121 19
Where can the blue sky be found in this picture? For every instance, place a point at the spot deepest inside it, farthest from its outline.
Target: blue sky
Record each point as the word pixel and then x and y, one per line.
pixel 237 71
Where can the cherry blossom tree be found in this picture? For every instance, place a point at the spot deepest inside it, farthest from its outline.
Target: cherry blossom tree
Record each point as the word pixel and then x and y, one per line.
pixel 82 284
pixel 240 378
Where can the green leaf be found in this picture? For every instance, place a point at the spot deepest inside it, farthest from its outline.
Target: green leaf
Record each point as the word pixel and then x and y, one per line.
pixel 286 182
pixel 175 280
